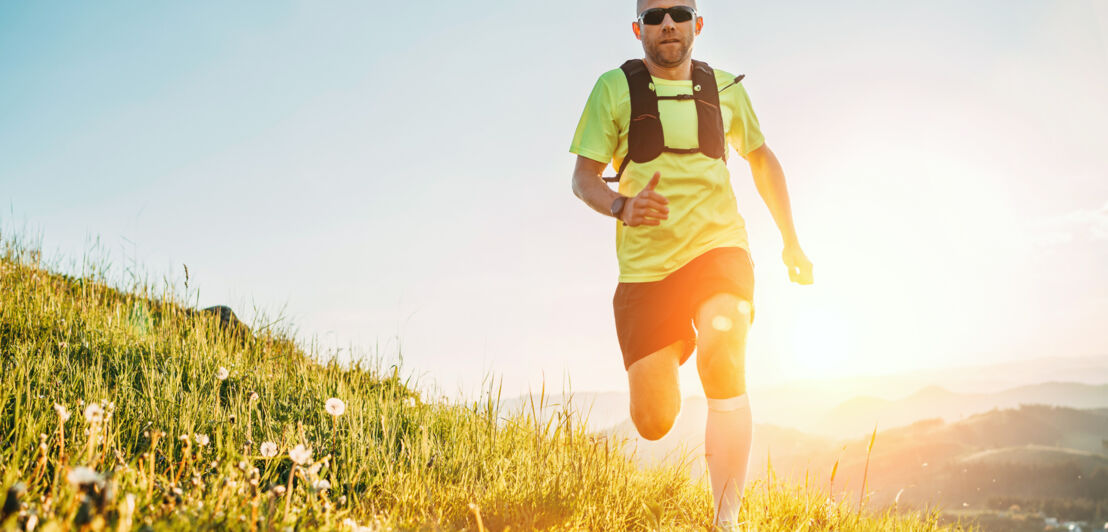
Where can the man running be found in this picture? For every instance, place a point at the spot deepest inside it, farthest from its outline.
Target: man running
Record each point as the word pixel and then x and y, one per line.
pixel 665 122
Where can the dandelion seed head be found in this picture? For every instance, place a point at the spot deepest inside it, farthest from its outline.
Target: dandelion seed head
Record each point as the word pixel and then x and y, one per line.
pixel 93 413
pixel 80 476
pixel 269 449
pixel 63 412
pixel 278 490
pixel 322 484
pixel 335 406
pixel 202 440
pixel 222 373
pixel 300 454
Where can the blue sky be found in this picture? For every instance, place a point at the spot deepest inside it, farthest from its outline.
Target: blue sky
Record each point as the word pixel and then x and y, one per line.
pixel 396 177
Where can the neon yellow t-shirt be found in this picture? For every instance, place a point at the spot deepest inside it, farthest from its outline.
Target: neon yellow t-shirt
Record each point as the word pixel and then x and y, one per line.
pixel 703 213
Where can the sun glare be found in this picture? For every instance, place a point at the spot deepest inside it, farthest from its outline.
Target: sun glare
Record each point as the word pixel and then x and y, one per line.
pixel 721 323
pixel 820 343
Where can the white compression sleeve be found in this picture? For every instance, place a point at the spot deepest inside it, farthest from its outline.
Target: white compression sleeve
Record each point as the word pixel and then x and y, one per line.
pixel 727 438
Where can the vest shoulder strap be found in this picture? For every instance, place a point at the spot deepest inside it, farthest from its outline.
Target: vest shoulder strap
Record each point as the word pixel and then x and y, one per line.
pixel 644 133
pixel 709 118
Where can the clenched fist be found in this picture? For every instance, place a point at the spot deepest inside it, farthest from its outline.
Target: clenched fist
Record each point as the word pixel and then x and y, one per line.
pixel 647 207
pixel 800 268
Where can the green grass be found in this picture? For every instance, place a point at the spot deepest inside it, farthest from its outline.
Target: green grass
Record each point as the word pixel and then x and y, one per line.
pixel 392 460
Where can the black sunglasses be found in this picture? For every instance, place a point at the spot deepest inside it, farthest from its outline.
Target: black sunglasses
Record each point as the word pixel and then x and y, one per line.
pixel 655 15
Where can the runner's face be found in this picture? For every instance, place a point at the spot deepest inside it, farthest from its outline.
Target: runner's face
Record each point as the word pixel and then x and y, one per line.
pixel 670 43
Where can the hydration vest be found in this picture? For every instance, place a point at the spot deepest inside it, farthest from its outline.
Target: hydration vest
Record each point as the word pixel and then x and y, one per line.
pixel 645 140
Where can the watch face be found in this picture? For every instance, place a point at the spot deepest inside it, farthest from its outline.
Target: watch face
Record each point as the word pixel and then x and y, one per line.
pixel 617 206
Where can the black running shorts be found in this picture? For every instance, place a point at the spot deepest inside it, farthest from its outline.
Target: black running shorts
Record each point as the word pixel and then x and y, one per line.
pixel 655 314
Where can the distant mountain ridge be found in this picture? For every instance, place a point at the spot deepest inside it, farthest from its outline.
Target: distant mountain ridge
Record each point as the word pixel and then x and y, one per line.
pixel 808 410
pixel 858 415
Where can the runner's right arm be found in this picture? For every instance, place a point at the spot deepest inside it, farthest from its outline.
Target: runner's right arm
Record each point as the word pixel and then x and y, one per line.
pixel 590 188
pixel 646 208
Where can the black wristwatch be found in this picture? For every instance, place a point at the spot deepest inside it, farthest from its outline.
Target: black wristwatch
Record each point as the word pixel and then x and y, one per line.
pixel 617 206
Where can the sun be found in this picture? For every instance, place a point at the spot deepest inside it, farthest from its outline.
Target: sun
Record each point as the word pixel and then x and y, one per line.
pixel 820 343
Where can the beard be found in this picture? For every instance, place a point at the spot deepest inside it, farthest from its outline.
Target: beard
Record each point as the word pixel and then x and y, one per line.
pixel 669 54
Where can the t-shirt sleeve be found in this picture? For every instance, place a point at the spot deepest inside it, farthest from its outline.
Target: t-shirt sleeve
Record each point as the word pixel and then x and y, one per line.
pixel 597 134
pixel 745 134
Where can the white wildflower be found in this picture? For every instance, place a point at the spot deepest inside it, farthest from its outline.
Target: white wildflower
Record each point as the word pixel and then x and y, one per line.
pixel 63 413
pixel 278 490
pixel 222 373
pixel 82 475
pixel 93 413
pixel 300 454
pixel 335 406
pixel 322 484
pixel 269 449
pixel 202 439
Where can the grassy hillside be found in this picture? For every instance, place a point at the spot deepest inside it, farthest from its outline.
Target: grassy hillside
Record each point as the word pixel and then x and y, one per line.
pixel 118 409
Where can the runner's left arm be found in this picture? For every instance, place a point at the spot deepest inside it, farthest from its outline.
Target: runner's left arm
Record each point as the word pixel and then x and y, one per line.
pixel 769 179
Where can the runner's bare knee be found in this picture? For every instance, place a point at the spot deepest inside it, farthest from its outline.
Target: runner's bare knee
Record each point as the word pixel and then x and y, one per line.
pixel 653 423
pixel 722 324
